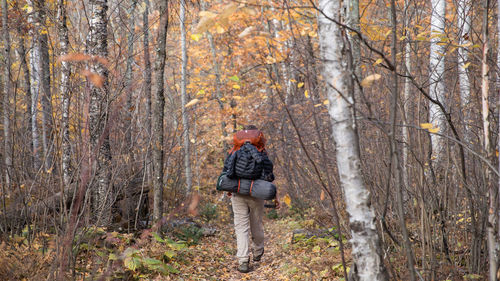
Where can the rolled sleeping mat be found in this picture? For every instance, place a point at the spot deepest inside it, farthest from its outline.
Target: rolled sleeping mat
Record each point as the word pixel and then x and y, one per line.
pixel 226 184
pixel 256 188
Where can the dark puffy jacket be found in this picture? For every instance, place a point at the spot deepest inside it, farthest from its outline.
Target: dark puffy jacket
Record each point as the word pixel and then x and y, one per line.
pixel 242 164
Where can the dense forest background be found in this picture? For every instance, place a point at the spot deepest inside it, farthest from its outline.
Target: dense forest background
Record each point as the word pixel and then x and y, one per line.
pixel 117 116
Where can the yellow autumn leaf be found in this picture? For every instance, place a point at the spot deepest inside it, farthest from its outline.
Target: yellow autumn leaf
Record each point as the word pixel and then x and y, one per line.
pixel 433 130
pixel 466 65
pixel 367 82
pixel 236 86
pixel 326 102
pixel 300 85
pixel 377 62
pixel 287 200
pixel 322 196
pixel 425 125
pixel 306 94
pixel 191 103
pixel 196 37
pixel 313 34
pixel 318 105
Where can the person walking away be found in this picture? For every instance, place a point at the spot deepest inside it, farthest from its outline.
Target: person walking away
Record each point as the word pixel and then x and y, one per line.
pixel 248 211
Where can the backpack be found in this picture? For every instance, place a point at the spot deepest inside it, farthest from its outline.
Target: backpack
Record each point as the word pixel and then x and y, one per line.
pixel 248 162
pixel 248 158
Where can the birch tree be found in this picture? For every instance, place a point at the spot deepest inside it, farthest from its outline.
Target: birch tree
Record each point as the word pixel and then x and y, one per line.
pixel 158 112
pixel 464 25
pixel 97 45
pixel 436 76
pixel 34 58
pixel 185 119
pixel 492 196
pixel 6 94
pixel 366 250
pixel 65 94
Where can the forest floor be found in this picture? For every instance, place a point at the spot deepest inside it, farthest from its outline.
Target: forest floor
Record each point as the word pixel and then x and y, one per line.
pixel 182 254
pixel 306 259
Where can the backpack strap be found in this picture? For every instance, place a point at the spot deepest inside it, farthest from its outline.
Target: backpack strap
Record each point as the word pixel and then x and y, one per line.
pixel 251 185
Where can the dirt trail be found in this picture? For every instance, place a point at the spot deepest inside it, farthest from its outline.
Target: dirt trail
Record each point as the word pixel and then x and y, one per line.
pixel 214 258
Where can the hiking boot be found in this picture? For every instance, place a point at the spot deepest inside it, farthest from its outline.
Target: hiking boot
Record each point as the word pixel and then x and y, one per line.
pixel 258 256
pixel 243 267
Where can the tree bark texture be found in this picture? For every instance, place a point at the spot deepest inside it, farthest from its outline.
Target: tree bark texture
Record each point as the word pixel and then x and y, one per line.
pixel 158 113
pixel 97 45
pixel 464 25
pixel 65 94
pixel 128 78
pixel 46 96
pixel 33 18
pixel 366 251
pixel 6 94
pixel 185 117
pixel 492 201
pixel 436 77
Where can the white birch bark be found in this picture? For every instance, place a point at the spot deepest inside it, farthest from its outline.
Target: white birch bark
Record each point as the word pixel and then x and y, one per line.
pixel 99 106
pixel 21 53
pixel 485 88
pixel 436 76
pixel 185 119
pixel 365 241
pixel 6 94
pixel 33 18
pixel 406 101
pixel 65 94
pixel 464 25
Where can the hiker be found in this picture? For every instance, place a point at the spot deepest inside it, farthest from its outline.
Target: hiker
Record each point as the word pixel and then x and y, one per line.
pixel 248 211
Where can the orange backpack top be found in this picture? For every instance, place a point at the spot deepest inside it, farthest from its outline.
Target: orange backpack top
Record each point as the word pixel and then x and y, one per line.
pixel 255 137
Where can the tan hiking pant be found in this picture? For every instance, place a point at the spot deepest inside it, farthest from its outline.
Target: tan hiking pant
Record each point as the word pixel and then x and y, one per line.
pixel 248 212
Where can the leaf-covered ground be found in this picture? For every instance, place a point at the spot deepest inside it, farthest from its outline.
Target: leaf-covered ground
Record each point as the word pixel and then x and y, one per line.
pixel 179 255
pixel 303 259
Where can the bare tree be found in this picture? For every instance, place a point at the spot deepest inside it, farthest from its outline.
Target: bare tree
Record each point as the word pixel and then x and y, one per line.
pixel 436 76
pixel 97 45
pixel 158 112
pixel 6 94
pixel 185 118
pixel 366 249
pixel 34 19
pixel 65 93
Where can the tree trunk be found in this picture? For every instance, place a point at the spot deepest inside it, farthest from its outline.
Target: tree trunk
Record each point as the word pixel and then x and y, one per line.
pixel 366 251
pixel 6 94
pixel 185 119
pixel 436 80
pixel 147 85
pixel 396 168
pixel 97 45
pixel 492 200
pixel 464 24
pixel 158 108
pixel 34 82
pixel 128 80
pixel 405 103
pixel 27 89
pixel 46 97
pixel 65 95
